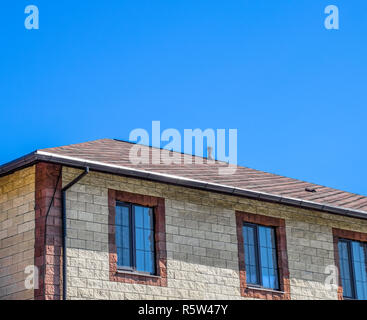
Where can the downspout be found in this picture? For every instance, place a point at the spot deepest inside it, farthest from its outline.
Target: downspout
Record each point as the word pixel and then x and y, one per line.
pixel 64 261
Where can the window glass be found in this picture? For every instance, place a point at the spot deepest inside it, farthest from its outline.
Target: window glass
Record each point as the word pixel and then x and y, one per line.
pixel 135 237
pixel 139 222
pixel 359 264
pixel 260 256
pixel 353 272
pixel 269 269
pixel 144 239
pixel 345 269
pixel 250 254
pixel 123 243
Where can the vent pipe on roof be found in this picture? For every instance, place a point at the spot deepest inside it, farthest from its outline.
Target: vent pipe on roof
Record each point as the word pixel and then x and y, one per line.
pixel 209 154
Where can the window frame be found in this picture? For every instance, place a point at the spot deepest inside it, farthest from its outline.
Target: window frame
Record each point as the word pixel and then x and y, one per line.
pixel 259 271
pixel 129 275
pixel 342 234
pixel 349 237
pixel 132 238
pixel 278 225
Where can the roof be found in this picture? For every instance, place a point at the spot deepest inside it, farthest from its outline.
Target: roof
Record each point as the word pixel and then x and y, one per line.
pixel 114 154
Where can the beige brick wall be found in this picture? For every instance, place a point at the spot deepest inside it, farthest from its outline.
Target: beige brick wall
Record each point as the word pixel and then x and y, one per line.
pixel 17 194
pixel 201 242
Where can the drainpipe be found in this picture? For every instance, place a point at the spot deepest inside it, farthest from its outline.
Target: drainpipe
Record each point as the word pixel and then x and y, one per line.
pixel 63 195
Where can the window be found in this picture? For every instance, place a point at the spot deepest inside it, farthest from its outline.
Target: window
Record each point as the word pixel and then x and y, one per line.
pixel 353 272
pixel 135 238
pixel 260 256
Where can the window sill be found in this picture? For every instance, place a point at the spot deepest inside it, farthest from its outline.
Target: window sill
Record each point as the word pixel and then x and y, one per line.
pixel 264 293
pixel 132 277
pixel 136 273
pixel 265 290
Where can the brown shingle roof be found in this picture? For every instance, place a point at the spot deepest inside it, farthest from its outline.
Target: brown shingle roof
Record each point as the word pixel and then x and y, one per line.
pixel 115 152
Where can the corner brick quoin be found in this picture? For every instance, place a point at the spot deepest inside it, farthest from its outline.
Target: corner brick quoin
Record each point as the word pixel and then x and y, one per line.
pixel 158 205
pixel 281 242
pixel 48 247
pixel 344 234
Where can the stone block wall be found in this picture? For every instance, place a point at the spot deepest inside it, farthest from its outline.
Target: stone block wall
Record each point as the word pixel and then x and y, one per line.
pixel 17 232
pixel 201 241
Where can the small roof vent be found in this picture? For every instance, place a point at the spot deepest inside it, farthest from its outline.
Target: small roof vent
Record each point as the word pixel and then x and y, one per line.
pixel 209 155
pixel 310 189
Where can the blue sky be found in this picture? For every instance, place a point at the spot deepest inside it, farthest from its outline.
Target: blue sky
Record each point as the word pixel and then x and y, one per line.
pixel 295 91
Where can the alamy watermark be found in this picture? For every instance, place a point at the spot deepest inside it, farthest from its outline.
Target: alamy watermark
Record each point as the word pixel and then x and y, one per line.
pixel 32 280
pixel 32 20
pixel 331 281
pixel 332 20
pixel 215 141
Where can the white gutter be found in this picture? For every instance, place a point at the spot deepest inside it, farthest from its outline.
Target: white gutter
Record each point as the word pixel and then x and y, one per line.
pixel 80 163
pixel 193 183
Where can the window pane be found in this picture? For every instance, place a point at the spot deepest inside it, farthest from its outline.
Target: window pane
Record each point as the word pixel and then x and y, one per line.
pixel 268 259
pixel 140 265
pixel 251 265
pixel 139 238
pixel 345 272
pixel 148 218
pixel 122 236
pixel 122 215
pixel 118 217
pixel 125 237
pixel 359 268
pixel 118 236
pixel 144 239
pixel 139 222
pixel 149 262
pixel 125 217
pixel 123 257
pixel 148 240
pixel 126 257
pixel 119 256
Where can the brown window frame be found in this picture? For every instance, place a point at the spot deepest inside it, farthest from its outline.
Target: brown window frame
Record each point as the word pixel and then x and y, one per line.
pixel 158 205
pixel 282 257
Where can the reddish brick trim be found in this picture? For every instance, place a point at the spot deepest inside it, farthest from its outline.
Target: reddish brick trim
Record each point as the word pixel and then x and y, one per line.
pixel 279 224
pixel 48 260
pixel 344 234
pixel 160 238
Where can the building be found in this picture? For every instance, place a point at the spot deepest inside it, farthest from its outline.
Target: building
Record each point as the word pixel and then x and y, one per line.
pixel 172 231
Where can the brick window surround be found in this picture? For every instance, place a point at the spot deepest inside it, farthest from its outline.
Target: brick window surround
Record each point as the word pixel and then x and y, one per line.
pixel 281 245
pixel 344 234
pixel 158 205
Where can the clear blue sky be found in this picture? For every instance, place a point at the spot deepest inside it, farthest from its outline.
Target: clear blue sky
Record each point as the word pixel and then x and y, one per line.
pixel 295 91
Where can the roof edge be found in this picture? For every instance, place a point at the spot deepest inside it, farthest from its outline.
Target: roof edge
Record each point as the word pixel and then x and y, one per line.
pixel 18 164
pixel 79 163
